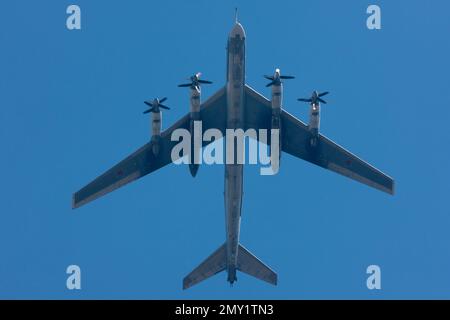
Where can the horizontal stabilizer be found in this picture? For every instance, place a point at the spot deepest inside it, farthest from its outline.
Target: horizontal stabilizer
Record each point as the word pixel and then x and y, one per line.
pixel 215 263
pixel 251 265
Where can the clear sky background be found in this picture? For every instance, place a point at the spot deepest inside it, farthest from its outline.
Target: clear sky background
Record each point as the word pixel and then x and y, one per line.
pixel 71 106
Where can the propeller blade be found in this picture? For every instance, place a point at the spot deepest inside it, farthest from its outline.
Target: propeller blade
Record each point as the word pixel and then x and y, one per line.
pixel 164 107
pixel 147 111
pixel 270 84
pixel 204 81
pixel 321 100
pixel 304 100
pixel 269 78
pixel 287 77
pixel 148 103
pixel 185 85
pixel 163 99
pixel 323 94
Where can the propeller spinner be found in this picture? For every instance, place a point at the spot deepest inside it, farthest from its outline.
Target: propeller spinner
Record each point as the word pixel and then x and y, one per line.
pixel 155 105
pixel 315 98
pixel 195 82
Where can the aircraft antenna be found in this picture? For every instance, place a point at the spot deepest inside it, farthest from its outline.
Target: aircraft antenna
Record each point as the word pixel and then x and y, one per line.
pixel 236 15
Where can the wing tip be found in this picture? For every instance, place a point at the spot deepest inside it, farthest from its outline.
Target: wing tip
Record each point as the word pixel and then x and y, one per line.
pixel 76 204
pixel 389 189
pixel 392 188
pixel 186 283
pixel 274 280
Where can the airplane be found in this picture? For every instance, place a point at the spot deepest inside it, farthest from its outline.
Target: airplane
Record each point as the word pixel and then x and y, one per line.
pixel 236 105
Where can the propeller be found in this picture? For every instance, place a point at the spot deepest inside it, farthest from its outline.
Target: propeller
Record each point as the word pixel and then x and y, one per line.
pixel 276 79
pixel 195 82
pixel 315 97
pixel 155 105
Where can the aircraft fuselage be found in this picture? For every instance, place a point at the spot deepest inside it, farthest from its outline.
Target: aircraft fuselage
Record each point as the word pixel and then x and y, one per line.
pixel 235 120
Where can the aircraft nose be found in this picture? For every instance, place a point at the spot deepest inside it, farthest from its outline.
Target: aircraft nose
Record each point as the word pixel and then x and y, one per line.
pixel 237 30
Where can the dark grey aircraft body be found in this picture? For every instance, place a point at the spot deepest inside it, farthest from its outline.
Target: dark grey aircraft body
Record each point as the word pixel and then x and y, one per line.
pixel 237 106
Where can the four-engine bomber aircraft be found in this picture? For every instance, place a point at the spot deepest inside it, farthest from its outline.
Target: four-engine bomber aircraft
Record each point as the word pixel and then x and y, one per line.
pixel 235 106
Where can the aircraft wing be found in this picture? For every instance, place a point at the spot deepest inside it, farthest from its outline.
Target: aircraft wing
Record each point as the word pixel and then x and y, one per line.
pixel 295 140
pixel 143 162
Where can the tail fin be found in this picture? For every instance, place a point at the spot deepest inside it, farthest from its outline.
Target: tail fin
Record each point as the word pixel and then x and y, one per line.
pixel 215 263
pixel 251 265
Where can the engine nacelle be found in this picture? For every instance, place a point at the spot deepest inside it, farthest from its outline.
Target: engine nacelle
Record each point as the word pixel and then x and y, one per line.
pixel 156 124
pixel 277 97
pixel 277 100
pixel 195 116
pixel 314 122
pixel 314 114
pixel 195 101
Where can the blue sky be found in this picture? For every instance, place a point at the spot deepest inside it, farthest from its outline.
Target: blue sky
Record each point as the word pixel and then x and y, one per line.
pixel 71 107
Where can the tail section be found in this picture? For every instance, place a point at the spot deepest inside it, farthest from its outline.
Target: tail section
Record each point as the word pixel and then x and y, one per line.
pixel 215 263
pixel 251 265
